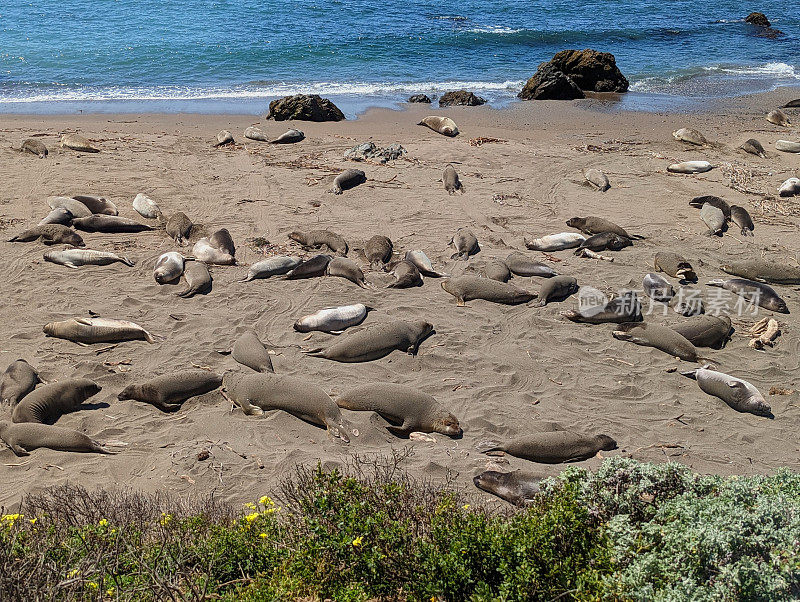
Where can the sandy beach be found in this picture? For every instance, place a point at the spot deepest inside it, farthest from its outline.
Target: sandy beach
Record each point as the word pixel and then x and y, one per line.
pixel 501 370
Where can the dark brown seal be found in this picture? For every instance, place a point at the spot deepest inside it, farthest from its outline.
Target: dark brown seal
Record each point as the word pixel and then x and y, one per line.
pixel 319 238
pixel 375 342
pixel 517 487
pixel 168 392
pixel 50 234
pixel 311 268
pixel 378 251
pixel 49 402
pixel 179 227
pixel 467 288
pixel 555 447
pixel 108 224
pixel 24 438
pixel 603 241
pixel 35 147
pixel 597 225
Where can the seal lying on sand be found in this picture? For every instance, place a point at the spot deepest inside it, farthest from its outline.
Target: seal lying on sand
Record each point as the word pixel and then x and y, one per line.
pixel 97 330
pixel 714 201
pixel 169 267
pixel 706 331
pixel 690 136
pixel 762 294
pixel 741 217
pixel 557 289
pixel 689 167
pixel 198 279
pixel 597 225
pixel 178 227
pixel 406 275
pixel 778 117
pixel 97 204
pixel 349 178
pixel 674 265
pixel 288 137
pixel 249 351
pixel 555 242
pixel 517 488
pixel 259 393
pixel 451 181
pixel 347 269
pixel 315 239
pixel 467 288
pixel 762 270
pixel 660 337
pixel 737 393
pixel 466 244
pixel 378 251
pixel 442 125
pixel 73 258
pixel 49 402
pixel 554 447
pixel 76 208
pixel 146 207
pixel 224 137
pixel 203 250
pixel 658 288
pixel 274 266
pixel 714 219
pixel 625 308
pixel 18 380
pixel 35 147
pixel 24 438
pixel 407 408
pixel 497 270
pixel 754 147
pixel 605 240
pixel 423 264
pixel 59 215
pixel 311 268
pixel 334 320
pixel 168 392
pixel 377 341
pixel 522 265
pixel 78 143
pixel 109 224
pixel 597 179
pixel 50 234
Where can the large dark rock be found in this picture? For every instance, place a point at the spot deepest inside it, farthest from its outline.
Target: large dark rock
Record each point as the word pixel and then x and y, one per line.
pixel 550 84
pixel 304 107
pixel 591 70
pixel 460 98
pixel 423 98
pixel 759 19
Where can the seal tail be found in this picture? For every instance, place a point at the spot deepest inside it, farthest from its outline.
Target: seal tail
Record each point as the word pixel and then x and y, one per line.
pixel 316 352
pixel 153 338
pixel 128 262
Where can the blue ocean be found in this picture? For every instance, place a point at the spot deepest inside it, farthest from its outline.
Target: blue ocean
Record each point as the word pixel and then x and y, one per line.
pixel 235 55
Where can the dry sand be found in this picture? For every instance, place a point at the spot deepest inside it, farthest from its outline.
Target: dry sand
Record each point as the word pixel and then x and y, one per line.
pixel 501 370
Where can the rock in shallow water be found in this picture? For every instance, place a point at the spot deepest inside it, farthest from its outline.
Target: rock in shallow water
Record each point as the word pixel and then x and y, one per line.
pixel 304 107
pixel 460 98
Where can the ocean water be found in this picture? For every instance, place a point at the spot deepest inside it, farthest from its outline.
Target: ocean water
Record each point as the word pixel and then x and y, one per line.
pixel 236 55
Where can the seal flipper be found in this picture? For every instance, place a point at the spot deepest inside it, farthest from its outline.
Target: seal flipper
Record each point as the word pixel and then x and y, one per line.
pixel 400 431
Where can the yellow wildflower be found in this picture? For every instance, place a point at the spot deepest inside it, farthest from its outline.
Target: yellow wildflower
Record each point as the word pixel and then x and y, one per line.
pixel 266 501
pixel 33 521
pixel 72 573
pixel 165 519
pixel 357 541
pixel 11 518
pixel 251 517
pixel 263 535
pixel 466 506
pixel 92 585
pixel 103 522
pixel 110 591
pixel 250 505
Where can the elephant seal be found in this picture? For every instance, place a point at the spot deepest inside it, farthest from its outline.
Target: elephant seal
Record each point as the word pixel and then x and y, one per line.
pixel 741 218
pixel 762 294
pixel 778 117
pixel 706 331
pixel 662 338
pixel 762 270
pixel 146 207
pixel 754 147
pixel 97 330
pixel 690 167
pixel 516 487
pixel 408 409
pixel 35 147
pixel 349 178
pixel 737 393
pixel 274 266
pixel 466 244
pixel 521 265
pixel 709 199
pixel 790 187
pixel 690 136
pixel 658 288
pixel 168 392
pixel 378 251
pixel 377 341
pixel 108 224
pixel 248 350
pixel 674 265
pixel 557 289
pixel 99 205
pixel 179 227
pixel 714 219
pixel 319 238
pixel 423 264
pixel 467 288
pixel 289 137
pixel 78 143
pixel 603 241
pixel 257 393
pixel 206 252
pixel 26 437
pixel 441 125
pixel 624 308
pixel 554 447
pixel 198 279
pixel 311 268
pixel 76 208
pixel 222 240
pixel 406 275
pixel 555 242
pixel 73 258
pixel 169 267
pixel 18 380
pixel 597 225
pixel 50 234
pixel 787 146
pixel 60 215
pixel 451 181
pixel 597 179
pixel 334 320
pixel 497 270
pixel 347 269
pixel 224 137
pixel 792 104
pixel 688 302
pixel 48 403
pixel 254 133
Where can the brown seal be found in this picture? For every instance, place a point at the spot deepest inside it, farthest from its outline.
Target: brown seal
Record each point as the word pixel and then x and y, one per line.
pixel 597 225
pixel 451 181
pixel 222 240
pixel 168 392
pixel 763 270
pixel 465 242
pixel 762 294
pixel 179 227
pixel 319 238
pixel 674 265
pixel 24 438
pixel 741 218
pixel 377 341
pixel 198 279
pixel 406 274
pixel 498 270
pixel 97 204
pixel 467 288
pixel 625 308
pixel 249 351
pixel 347 269
pixel 35 147
pixel 706 331
pixel 49 402
pixel 442 125
pixel 714 201
pixel 517 487
pixel 18 380
pixel 109 224
pixel 660 337
pixel 349 178
pixel 311 268
pixel 554 447
pixel 603 241
pixel 378 251
pixel 557 289
pixel 50 234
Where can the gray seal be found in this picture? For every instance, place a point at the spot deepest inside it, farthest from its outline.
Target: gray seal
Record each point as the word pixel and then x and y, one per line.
pixel 377 341
pixel 555 447
pixel 741 218
pixel 451 180
pixel 763 271
pixel 48 403
pixel 498 270
pixel 109 224
pixel 467 288
pixel 466 244
pixel 674 265
pixel 658 288
pixel 289 137
pixel 59 215
pixel 274 266
pixel 224 137
pixel 26 437
pixel 76 208
pixel 311 268
pixel 378 251
pixel 97 204
pixel 706 331
pixel 203 250
pixel 758 292
pixel 179 227
pixel 517 487
pixel 347 269
pixel 77 142
pixel 349 178
pixel 659 337
pixel 319 238
pixel 557 289
pixel 714 201
pixel 50 234
pixel 603 241
pixel 406 275
pixel 423 264
pixel 737 393
pixel 35 147
pixel 198 279
pixel 334 320
pixel 168 392
pixel 597 179
pixel 19 379
pixel 222 240
pixel 714 219
pixel 97 330
pixel 249 351
pixel 624 308
pixel 754 147
pixel 74 258
pixel 522 265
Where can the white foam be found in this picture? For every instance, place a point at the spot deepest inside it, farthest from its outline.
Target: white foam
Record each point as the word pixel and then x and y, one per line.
pixel 780 70
pixel 498 29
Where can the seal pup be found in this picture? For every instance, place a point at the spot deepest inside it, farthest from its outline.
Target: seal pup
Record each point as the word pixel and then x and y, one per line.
pixel 674 265
pixel 658 288
pixel 48 403
pixel 597 225
pixel 378 251
pixel 787 146
pixel 741 218
pixel 659 337
pixel 168 392
pixel 26 437
pixel 311 268
pixel 521 265
pixel 19 379
pixel 597 179
pixel 178 227
pixel 60 215
pixel 223 137
pixel 690 136
pixel 465 243
pixel 289 137
pixel 451 181
pixel 690 167
pixel 110 224
pixel 146 207
pixel 406 275
pixel 555 242
pixel 97 330
pixel 790 187
pixel 222 240
pixel 35 147
pixel 78 143
pixel 554 447
pixel 76 208
pixel 169 267
pixel 706 331
pixel 754 147
pixel 624 308
pixel 254 133
pixel 441 125
pixel 349 178
pixel 763 270
pixel 73 258
pixel 97 204
pixel 274 266
pixel 737 393
pixel 204 251
pixel 557 289
pixel 248 350
pixel 333 320
pixel 762 294
pixel 516 488
pixel 497 270
pixel 258 393
pixel 50 234
pixel 603 241
pixel 714 219
pixel 319 238
pixel 407 409
pixel 347 269
pixel 198 279
pixel 423 264
pixel 377 341
pixel 714 201
pixel 467 288
pixel 778 117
